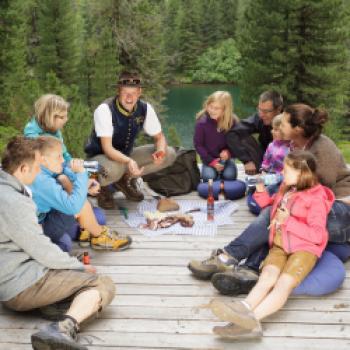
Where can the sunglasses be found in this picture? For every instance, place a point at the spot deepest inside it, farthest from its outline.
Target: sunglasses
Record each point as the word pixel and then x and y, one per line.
pixel 130 82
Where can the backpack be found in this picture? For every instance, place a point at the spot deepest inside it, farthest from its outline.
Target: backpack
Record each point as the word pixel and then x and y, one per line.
pixel 179 178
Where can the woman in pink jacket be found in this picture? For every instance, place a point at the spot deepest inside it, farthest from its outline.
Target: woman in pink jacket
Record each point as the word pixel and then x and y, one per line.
pixel 298 236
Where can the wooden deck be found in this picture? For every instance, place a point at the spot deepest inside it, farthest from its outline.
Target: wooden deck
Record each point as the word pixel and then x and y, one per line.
pixel 159 305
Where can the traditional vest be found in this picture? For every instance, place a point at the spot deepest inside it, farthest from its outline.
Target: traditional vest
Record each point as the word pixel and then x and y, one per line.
pixel 126 127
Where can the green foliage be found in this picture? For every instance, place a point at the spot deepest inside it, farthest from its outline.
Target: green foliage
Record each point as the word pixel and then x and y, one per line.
pixel 345 149
pixel 6 133
pixel 173 137
pixel 59 34
pixel 218 64
pixel 296 47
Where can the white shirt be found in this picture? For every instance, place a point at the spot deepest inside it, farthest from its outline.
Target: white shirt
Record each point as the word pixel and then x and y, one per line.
pixel 104 126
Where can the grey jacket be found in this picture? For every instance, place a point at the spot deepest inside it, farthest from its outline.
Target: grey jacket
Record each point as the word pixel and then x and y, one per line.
pixel 26 254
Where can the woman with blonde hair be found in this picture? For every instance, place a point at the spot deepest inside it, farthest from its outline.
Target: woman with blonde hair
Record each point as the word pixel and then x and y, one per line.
pixel 212 123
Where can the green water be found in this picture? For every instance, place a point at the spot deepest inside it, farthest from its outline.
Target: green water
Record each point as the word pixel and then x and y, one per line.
pixel 184 101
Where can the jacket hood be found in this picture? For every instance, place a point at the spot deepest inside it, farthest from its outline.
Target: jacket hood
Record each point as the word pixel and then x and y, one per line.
pixel 323 191
pixel 9 180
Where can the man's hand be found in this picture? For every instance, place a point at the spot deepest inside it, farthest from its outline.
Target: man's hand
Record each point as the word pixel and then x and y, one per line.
pixel 250 168
pixel 77 165
pixel 158 157
pixel 93 187
pixel 89 268
pixel 134 169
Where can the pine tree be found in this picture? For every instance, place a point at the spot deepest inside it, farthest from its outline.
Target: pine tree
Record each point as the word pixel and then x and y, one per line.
pixel 297 48
pixel 189 25
pixel 101 50
pixel 59 31
pixel 16 85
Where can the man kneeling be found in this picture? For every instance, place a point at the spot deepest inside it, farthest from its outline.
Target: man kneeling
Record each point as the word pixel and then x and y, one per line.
pixel 35 273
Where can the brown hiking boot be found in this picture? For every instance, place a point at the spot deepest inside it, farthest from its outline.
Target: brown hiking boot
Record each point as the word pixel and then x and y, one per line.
pixel 105 198
pixel 207 268
pixel 128 185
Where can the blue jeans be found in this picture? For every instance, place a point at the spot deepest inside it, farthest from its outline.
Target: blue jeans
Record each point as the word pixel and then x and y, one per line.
pixel 229 172
pixel 252 243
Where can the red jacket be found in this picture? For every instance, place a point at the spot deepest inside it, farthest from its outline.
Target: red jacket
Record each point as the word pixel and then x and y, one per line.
pixel 305 228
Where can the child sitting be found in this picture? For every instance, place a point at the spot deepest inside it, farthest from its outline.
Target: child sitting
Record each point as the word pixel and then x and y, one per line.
pixel 298 236
pixel 272 164
pixel 58 209
pixel 213 122
pixel 51 115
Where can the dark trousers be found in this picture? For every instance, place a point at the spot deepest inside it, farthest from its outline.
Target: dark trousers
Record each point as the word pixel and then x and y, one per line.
pixel 252 243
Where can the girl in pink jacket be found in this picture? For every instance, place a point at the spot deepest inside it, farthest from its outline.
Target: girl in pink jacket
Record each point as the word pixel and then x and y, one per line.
pixel 298 236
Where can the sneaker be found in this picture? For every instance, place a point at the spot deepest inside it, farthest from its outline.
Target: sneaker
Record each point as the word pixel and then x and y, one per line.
pixel 128 185
pixel 111 240
pixel 105 198
pixel 238 281
pixel 84 238
pixel 58 335
pixel 232 331
pixel 236 312
pixel 207 268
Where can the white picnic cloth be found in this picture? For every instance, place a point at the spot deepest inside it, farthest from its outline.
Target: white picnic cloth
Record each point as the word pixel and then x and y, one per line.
pixel 201 227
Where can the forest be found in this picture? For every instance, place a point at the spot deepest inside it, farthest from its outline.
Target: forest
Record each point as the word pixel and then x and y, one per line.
pixel 77 48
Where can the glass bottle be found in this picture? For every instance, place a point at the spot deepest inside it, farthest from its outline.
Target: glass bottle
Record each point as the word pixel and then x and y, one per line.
pixel 210 201
pixel 222 195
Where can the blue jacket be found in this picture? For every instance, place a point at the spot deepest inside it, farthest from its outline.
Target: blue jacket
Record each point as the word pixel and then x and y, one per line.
pixel 48 194
pixel 32 129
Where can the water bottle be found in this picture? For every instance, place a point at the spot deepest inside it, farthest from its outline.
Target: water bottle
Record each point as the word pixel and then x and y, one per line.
pixel 267 179
pixel 91 166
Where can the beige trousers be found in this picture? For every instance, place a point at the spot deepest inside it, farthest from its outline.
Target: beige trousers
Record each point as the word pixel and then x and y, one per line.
pixel 141 155
pixel 58 285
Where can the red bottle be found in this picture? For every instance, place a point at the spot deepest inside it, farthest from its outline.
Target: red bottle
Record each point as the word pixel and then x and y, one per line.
pixel 210 201
pixel 86 258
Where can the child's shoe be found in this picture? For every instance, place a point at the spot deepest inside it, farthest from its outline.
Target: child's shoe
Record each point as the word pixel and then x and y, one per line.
pixel 111 240
pixel 236 312
pixel 232 331
pixel 84 238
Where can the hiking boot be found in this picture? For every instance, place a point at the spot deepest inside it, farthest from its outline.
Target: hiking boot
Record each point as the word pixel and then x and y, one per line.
pixel 111 240
pixel 232 331
pixel 219 261
pixel 58 335
pixel 236 312
pixel 128 185
pixel 84 238
pixel 105 198
pixel 238 281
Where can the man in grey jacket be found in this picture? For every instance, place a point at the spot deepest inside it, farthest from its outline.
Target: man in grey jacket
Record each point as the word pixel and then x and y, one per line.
pixel 34 272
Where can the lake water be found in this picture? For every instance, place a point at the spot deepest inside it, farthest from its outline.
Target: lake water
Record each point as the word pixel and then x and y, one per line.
pixel 184 101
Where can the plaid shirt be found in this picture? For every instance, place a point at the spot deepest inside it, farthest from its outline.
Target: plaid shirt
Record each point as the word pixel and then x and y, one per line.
pixel 274 156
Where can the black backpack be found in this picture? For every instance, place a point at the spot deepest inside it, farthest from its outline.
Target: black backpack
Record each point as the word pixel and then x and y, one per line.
pixel 179 178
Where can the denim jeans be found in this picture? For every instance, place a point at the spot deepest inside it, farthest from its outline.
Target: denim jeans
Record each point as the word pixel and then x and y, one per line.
pixel 252 243
pixel 229 172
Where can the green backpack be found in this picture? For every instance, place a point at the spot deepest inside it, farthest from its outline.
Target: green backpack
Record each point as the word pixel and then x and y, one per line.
pixel 179 178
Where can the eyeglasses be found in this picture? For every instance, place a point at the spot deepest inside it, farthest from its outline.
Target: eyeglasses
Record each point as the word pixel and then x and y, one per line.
pixel 265 110
pixel 130 82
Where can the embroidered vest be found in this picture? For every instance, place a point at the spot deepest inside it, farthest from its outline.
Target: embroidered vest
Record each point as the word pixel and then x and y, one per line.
pixel 125 128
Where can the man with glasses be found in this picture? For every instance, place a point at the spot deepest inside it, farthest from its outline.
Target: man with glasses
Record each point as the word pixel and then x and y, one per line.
pixel 117 122
pixel 240 141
